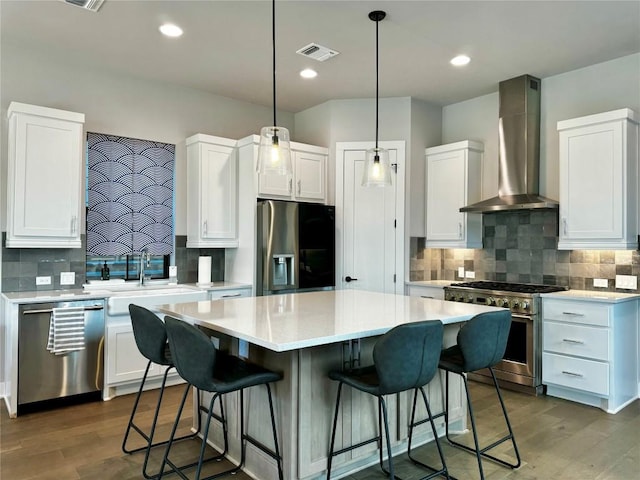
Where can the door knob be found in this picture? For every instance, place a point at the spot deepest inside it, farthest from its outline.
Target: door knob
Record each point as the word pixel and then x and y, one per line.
pixel 349 279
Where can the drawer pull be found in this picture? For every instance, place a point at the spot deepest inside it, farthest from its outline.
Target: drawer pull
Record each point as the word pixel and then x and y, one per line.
pixel 425 296
pixel 575 342
pixel 573 314
pixel 229 295
pixel 572 374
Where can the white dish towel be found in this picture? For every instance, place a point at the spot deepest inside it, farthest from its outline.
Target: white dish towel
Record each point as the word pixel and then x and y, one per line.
pixel 66 330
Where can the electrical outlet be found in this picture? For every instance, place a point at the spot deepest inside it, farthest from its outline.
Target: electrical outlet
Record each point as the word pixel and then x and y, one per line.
pixel 461 272
pixel 43 280
pixel 627 282
pixel 469 274
pixel 601 282
pixel 67 278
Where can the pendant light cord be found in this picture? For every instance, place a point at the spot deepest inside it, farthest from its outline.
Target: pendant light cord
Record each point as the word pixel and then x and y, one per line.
pixel 273 45
pixel 377 23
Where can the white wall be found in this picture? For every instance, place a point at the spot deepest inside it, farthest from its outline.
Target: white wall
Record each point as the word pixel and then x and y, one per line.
pixel 125 106
pixel 594 89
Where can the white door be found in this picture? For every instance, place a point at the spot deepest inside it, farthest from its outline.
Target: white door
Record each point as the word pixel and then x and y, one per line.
pixel 370 222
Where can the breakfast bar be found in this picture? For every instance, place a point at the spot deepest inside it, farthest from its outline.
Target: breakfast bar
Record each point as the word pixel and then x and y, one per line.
pixel 304 335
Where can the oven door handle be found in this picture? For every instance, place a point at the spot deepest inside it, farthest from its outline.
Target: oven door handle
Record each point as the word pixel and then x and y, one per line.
pixel 522 317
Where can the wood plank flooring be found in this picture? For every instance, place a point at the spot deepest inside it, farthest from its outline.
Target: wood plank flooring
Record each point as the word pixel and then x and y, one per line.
pixel 557 439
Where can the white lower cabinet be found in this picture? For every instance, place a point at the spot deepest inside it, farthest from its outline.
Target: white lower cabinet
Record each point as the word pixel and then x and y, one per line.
pixel 590 351
pixel 230 293
pixel 426 291
pixel 124 362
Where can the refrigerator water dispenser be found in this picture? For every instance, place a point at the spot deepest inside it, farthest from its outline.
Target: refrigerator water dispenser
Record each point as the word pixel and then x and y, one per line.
pixel 283 270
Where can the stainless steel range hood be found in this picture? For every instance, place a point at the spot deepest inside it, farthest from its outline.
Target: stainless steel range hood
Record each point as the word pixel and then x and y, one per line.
pixel 519 157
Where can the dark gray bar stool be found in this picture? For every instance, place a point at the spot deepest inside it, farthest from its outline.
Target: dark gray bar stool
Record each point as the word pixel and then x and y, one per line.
pixel 151 339
pixel 482 342
pixel 405 358
pixel 203 366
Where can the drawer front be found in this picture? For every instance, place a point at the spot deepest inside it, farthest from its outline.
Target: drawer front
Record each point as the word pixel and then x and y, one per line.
pixel 233 293
pixel 586 313
pixel 426 292
pixel 587 375
pixel 579 340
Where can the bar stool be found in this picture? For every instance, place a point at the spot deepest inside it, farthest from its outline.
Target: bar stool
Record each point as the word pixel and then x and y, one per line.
pixel 151 339
pixel 405 358
pixel 481 344
pixel 203 366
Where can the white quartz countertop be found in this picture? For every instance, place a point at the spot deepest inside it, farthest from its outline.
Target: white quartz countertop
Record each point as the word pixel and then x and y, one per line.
pixel 97 292
pixel 593 295
pixel 300 320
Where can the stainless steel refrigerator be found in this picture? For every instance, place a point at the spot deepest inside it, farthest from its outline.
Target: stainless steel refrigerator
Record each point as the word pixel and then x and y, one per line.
pixel 296 247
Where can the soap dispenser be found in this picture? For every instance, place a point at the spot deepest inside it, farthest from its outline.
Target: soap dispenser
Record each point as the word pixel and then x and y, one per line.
pixel 104 273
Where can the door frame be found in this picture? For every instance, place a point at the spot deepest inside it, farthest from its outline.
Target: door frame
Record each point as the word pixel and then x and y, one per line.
pixel 400 147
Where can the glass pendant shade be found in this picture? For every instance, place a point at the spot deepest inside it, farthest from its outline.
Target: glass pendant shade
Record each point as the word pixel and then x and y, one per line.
pixel 274 154
pixel 377 169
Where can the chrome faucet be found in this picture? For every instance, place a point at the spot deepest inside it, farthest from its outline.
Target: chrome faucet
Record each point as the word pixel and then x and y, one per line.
pixel 144 262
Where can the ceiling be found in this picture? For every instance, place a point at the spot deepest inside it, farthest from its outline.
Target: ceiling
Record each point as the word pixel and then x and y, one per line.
pixel 226 47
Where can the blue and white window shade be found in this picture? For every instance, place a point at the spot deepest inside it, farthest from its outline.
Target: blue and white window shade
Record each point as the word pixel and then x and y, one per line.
pixel 130 196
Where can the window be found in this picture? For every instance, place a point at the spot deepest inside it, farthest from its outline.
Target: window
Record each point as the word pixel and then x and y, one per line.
pixel 129 204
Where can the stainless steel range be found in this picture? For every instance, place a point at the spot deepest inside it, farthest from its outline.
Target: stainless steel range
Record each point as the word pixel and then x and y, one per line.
pixel 521 367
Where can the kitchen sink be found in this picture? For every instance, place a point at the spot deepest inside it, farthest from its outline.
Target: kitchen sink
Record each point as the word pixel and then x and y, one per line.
pixel 148 296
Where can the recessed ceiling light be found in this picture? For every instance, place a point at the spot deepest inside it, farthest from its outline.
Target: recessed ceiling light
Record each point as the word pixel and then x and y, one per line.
pixel 170 30
pixel 460 60
pixel 308 73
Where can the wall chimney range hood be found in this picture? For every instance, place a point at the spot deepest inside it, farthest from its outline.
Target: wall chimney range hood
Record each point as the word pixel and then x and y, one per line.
pixel 519 156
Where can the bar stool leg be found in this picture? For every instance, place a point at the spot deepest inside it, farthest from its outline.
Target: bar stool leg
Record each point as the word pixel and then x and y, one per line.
pixel 333 432
pixel 275 435
pixel 133 413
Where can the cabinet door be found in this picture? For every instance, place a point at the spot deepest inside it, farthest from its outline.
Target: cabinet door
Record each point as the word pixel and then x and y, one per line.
pixel 592 184
pixel 219 192
pixel 124 361
pixel 212 196
pixel 310 178
pixel 279 186
pixel 45 158
pixel 446 179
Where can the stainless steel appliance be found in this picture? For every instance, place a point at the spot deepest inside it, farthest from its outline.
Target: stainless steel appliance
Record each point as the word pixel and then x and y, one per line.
pixel 521 367
pixel 519 154
pixel 296 247
pixel 45 378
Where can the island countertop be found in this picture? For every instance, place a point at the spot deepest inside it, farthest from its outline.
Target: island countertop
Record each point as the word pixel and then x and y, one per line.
pixel 300 320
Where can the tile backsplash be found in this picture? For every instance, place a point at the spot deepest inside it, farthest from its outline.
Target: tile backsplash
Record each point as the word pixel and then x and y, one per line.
pixel 521 246
pixel 21 266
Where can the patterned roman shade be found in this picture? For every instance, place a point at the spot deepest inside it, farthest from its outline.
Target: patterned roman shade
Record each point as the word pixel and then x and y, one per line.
pixel 130 195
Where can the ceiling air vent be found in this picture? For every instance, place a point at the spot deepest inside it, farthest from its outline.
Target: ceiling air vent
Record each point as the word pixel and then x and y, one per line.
pixel 317 52
pixel 93 5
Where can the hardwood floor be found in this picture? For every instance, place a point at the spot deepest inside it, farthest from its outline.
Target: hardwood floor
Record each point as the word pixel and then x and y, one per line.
pixel 557 439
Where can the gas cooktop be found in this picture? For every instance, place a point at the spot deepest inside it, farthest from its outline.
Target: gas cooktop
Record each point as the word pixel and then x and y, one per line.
pixel 509 287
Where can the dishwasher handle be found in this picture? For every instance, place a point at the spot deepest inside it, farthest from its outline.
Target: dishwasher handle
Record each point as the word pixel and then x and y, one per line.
pixel 50 310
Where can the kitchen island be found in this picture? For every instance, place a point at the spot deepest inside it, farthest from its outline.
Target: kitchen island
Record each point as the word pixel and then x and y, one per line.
pixel 305 335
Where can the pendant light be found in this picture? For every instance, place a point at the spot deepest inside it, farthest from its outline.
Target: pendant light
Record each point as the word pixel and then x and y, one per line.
pixel 377 170
pixel 274 154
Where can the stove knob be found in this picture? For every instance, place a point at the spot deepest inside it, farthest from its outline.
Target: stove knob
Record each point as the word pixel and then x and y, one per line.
pixel 525 305
pixel 501 302
pixel 491 301
pixel 469 299
pixel 515 304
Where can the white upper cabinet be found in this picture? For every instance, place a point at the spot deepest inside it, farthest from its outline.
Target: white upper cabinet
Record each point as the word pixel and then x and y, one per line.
pixel 212 192
pixel 599 181
pixel 44 177
pixel 453 181
pixel 308 182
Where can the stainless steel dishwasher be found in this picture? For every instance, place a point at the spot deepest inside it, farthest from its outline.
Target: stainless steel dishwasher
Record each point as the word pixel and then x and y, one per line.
pixel 45 378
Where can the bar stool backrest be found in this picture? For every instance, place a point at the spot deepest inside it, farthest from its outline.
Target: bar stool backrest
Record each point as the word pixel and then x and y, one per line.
pixel 406 357
pixel 483 339
pixel 193 354
pixel 150 334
